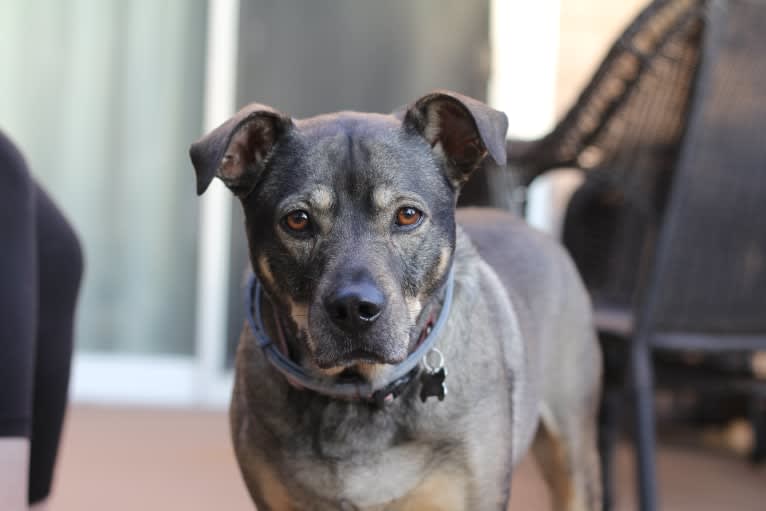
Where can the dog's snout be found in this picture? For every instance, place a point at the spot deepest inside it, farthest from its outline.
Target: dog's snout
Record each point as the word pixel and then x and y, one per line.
pixel 355 306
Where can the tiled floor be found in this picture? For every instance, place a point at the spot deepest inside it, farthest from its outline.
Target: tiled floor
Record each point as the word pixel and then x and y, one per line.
pixel 125 459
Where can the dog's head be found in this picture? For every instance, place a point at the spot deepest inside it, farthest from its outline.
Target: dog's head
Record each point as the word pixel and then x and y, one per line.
pixel 350 216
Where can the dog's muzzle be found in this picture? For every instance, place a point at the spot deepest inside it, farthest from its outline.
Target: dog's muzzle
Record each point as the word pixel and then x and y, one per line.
pixel 402 372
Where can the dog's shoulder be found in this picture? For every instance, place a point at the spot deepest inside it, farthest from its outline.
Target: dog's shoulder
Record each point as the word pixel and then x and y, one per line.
pixel 533 267
pixel 509 245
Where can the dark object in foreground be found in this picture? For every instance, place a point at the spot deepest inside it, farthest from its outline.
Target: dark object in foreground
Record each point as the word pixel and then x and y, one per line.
pixel 41 266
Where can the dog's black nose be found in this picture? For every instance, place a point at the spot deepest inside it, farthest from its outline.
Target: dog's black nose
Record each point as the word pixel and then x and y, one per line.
pixel 355 306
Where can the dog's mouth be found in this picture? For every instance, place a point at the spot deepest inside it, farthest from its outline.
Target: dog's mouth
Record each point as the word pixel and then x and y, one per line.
pixel 354 357
pixel 356 366
pixel 351 375
pixel 366 356
pixel 363 373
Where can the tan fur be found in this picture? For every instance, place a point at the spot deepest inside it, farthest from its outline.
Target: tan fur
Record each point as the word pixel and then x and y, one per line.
pixel 263 265
pixel 414 306
pixel 382 197
pixel 443 262
pixel 322 198
pixel 333 371
pixel 372 371
pixel 441 491
pixel 568 468
pixel 300 315
pixel 272 491
pixel 439 150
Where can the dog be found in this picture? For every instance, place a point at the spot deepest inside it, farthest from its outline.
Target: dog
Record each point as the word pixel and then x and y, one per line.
pixel 399 354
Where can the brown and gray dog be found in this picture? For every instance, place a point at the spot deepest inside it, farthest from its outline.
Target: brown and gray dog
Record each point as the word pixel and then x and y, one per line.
pixel 355 241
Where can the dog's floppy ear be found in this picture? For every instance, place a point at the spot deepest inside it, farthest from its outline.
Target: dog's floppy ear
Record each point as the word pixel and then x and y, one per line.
pixel 460 129
pixel 237 150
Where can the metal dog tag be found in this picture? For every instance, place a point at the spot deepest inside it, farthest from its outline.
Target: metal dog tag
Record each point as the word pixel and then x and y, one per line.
pixel 432 378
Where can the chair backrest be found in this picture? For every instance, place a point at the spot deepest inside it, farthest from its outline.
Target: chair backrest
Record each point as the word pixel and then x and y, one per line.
pixel 625 131
pixel 709 271
pixel 649 64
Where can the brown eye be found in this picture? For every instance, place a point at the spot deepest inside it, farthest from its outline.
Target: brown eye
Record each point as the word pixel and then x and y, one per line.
pixel 408 216
pixel 297 221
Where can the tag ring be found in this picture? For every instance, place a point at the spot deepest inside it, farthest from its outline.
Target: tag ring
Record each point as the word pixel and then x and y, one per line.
pixel 439 363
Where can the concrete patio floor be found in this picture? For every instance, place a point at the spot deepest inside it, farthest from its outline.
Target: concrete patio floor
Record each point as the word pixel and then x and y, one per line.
pixel 142 459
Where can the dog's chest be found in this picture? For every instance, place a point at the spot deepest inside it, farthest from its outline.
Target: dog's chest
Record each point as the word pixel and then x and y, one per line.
pixel 396 483
pixel 369 470
pixel 365 479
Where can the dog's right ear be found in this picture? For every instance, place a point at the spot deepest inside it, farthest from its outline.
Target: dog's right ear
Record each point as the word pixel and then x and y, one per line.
pixel 237 150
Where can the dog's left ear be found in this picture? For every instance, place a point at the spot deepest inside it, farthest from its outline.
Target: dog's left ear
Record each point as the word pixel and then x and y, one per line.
pixel 460 129
pixel 237 150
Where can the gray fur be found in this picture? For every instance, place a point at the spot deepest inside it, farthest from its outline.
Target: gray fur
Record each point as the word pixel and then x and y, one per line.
pixel 519 344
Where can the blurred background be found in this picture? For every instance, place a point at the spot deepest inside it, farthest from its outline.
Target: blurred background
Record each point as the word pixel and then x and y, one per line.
pixel 104 97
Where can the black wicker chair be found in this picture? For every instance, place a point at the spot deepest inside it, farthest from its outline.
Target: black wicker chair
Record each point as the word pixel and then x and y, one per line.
pixel 679 99
pixel 707 287
pixel 623 132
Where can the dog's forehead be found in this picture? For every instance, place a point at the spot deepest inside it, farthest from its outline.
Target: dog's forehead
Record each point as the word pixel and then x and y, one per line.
pixel 360 150
pixel 348 140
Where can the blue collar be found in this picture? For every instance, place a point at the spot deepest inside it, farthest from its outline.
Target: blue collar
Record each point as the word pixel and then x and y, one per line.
pixel 401 376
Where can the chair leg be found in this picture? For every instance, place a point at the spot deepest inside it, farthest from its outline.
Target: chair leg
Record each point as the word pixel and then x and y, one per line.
pixel 643 387
pixel 758 423
pixel 607 435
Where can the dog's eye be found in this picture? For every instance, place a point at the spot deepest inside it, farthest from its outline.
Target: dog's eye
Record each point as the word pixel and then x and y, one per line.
pixel 297 221
pixel 408 216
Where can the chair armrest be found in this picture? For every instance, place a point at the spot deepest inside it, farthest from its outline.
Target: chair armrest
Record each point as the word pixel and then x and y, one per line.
pixel 527 159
